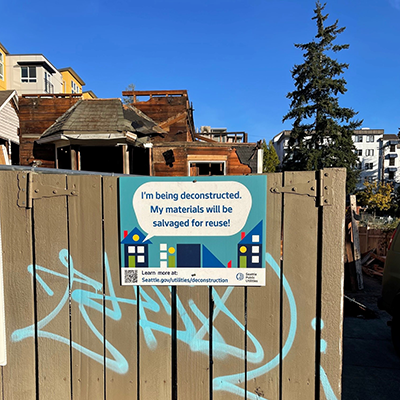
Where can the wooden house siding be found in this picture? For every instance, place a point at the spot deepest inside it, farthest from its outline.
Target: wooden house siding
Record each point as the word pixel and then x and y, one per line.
pixel 173 114
pixel 9 123
pixel 182 156
pixel 37 113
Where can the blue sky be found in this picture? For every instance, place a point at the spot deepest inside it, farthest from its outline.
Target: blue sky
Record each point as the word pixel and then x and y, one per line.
pixel 233 56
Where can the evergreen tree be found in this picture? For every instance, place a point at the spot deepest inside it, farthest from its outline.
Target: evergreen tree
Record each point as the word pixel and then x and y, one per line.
pixel 322 130
pixel 270 157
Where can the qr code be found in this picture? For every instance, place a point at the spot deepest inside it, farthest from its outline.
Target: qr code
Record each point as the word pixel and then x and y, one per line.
pixel 131 276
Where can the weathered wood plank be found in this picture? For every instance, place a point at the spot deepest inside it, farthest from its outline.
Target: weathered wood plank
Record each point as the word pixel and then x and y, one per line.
pixel 52 291
pixel 332 281
pixel 263 307
pixel 86 247
pixel 228 342
pixel 299 280
pixel 120 307
pixel 155 343
pixel 193 342
pixel 19 375
pixel 356 242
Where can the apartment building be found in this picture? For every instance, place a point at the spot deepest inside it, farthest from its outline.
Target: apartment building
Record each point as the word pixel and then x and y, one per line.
pixel 3 55
pixel 32 74
pixel 222 135
pixel 378 154
pixel 72 82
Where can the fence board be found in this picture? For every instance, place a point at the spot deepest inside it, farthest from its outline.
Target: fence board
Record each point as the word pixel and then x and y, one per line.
pixel 86 249
pixel 300 270
pixel 193 342
pixel 120 304
pixel 19 375
pixel 228 343
pixel 263 310
pixel 155 343
pixel 52 297
pixel 332 289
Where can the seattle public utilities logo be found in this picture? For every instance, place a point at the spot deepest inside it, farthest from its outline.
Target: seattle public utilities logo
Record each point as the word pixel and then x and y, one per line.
pixel 239 276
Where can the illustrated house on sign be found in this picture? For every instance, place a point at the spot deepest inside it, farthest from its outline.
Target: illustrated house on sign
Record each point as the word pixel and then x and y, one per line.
pixel 250 248
pixel 136 253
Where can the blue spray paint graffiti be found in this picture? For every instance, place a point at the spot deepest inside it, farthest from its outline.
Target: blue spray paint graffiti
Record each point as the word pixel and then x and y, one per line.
pixel 195 338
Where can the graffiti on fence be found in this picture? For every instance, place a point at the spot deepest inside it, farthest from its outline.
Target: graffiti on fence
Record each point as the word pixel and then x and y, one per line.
pixel 93 296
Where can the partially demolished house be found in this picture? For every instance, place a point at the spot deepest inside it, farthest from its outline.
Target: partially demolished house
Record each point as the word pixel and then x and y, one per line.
pixel 9 127
pixel 154 135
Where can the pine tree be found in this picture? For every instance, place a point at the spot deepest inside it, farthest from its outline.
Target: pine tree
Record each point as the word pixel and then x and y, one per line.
pixel 321 136
pixel 270 157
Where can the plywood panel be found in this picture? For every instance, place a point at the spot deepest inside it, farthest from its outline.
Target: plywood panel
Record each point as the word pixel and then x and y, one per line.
pixel 193 342
pixel 86 248
pixel 299 280
pixel 263 307
pixel 155 343
pixel 120 307
pixel 332 277
pixel 52 291
pixel 228 343
pixel 19 375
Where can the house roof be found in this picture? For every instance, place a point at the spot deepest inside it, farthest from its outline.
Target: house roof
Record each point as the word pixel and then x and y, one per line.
pixel 6 96
pixel 102 119
pixel 390 136
pixel 90 93
pixel 74 74
pixel 248 155
pixel 3 48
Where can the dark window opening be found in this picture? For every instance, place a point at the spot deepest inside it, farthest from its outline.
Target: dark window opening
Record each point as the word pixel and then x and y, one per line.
pixel 391 175
pixel 64 158
pixel 102 159
pixel 391 162
pixel 14 154
pixel 139 161
pixel 207 169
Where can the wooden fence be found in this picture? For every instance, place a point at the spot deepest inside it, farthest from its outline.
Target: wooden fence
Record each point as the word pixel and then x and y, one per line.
pixel 374 239
pixel 74 333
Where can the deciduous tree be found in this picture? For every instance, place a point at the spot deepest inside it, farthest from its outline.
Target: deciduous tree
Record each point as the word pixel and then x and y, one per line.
pixel 376 196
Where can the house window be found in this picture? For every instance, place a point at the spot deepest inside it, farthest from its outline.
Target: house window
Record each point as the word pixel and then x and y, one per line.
pixel 392 148
pixel 370 138
pixel 1 66
pixel 206 168
pixel 48 86
pixel 391 162
pixel 359 152
pixel 369 165
pixel 74 87
pixel 391 175
pixel 359 138
pixel 369 152
pixel 28 74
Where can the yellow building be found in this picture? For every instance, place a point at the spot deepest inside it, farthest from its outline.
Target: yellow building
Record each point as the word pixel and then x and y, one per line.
pixel 88 95
pixel 72 82
pixel 3 54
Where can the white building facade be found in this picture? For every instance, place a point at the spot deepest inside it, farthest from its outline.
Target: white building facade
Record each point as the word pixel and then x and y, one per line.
pixel 32 74
pixel 378 154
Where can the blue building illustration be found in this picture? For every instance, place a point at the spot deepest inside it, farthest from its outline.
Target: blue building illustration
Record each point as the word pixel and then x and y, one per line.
pixel 250 248
pixel 136 252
